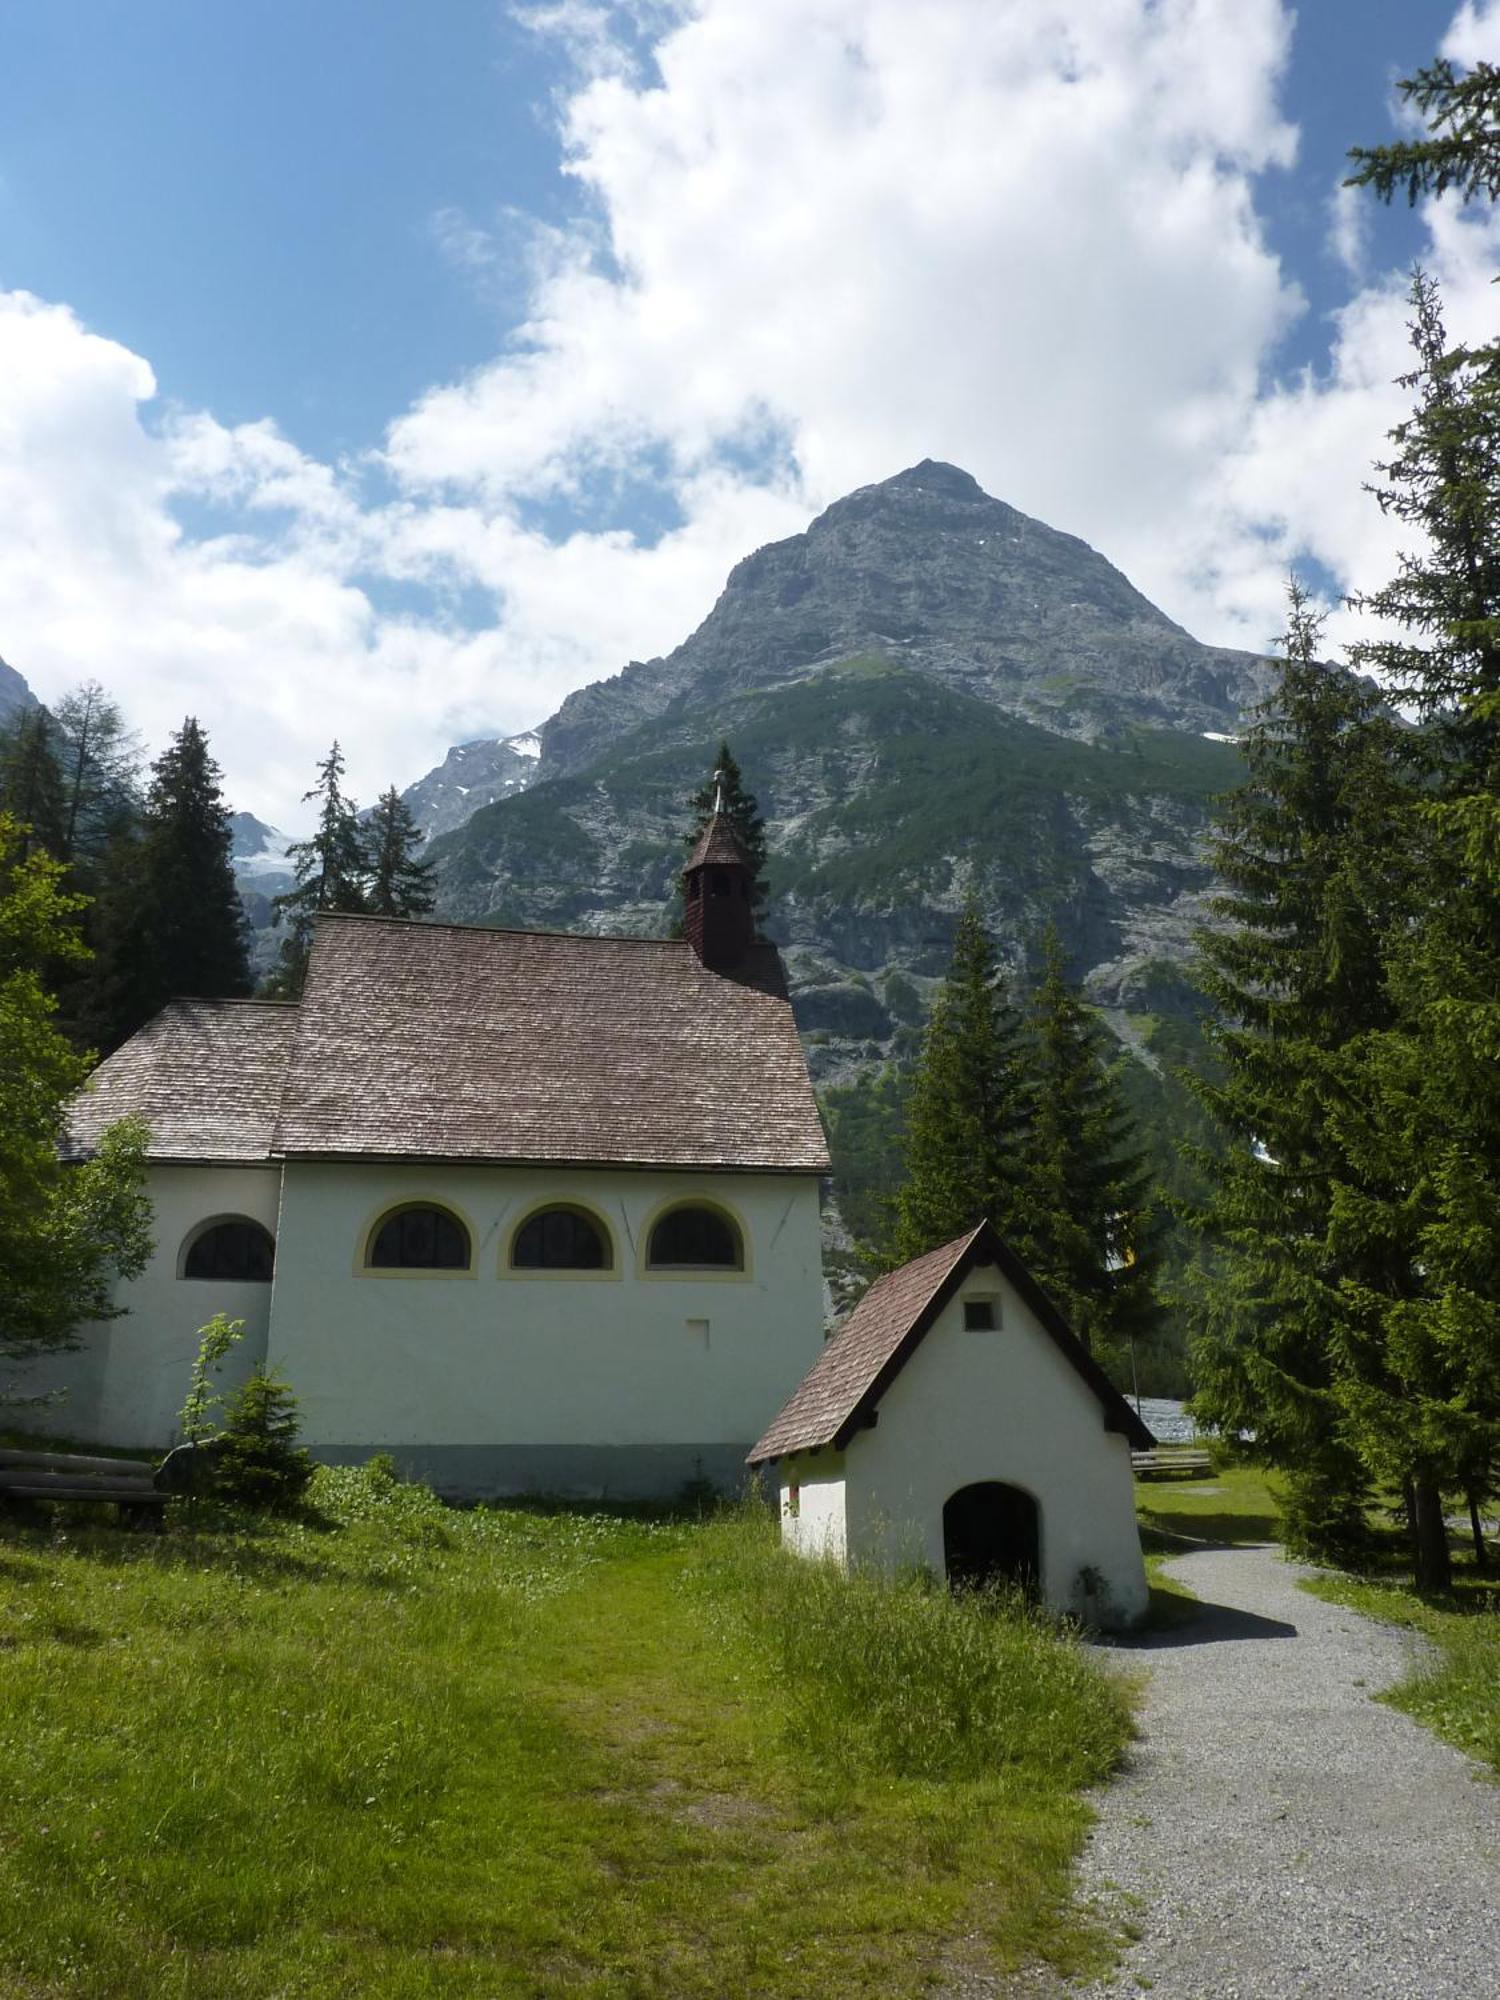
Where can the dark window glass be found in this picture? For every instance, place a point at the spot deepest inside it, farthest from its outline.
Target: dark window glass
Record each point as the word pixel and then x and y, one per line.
pixel 695 1236
pixel 239 1252
pixel 559 1239
pixel 719 882
pixel 979 1315
pixel 420 1239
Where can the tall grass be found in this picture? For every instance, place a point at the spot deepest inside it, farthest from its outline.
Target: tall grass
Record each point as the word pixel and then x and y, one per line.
pixel 896 1677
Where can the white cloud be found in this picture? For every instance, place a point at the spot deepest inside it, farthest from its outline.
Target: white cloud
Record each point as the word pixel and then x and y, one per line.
pixel 819 240
pixel 1474 34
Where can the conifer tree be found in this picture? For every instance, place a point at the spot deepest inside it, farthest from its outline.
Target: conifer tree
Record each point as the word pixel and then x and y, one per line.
pixel 400 884
pixel 1310 850
pixel 726 789
pixel 1423 1097
pixel 332 867
pixel 1462 146
pixel 99 759
pixel 1089 1235
pixel 31 786
pixel 172 924
pixel 969 1115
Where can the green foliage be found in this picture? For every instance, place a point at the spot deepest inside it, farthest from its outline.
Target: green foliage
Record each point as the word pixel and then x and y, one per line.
pixel 67 1233
pixel 197 1421
pixel 1088 1230
pixel 257 1461
pixel 98 760
pixel 331 867
pixel 31 785
pixel 400 884
pixel 172 924
pixel 969 1112
pixel 866 1125
pixel 1312 857
pixel 1462 149
pixel 1325 1510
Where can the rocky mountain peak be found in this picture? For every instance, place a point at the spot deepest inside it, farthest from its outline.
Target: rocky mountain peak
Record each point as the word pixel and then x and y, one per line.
pixel 930 571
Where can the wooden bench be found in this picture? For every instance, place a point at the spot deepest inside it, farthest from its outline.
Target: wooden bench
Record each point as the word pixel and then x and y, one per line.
pixel 1171 1462
pixel 64 1475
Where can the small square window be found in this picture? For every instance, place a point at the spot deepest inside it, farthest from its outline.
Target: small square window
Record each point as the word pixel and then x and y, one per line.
pixel 981 1315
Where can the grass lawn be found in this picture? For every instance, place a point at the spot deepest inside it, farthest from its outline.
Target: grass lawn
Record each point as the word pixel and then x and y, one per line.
pixel 405 1751
pixel 1224 1510
pixel 1457 1693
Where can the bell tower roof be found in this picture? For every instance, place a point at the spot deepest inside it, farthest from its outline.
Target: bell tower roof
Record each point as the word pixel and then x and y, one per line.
pixel 718 845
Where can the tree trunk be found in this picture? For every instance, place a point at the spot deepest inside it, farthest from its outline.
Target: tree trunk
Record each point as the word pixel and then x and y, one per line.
pixel 1434 1567
pixel 1477 1527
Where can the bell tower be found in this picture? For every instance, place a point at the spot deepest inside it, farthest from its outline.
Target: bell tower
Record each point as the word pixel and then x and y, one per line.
pixel 716 889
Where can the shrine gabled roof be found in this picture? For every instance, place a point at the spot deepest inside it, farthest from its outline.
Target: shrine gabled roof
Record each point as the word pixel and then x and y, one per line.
pixel 842 1390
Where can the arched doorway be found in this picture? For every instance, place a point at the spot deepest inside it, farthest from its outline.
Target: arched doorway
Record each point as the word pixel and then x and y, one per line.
pixel 992 1534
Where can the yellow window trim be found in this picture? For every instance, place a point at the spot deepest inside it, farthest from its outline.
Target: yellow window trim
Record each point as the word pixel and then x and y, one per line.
pixel 609 1274
pixel 716 1274
pixel 365 1243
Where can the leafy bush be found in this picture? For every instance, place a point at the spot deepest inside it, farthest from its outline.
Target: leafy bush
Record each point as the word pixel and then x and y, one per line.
pixel 257 1461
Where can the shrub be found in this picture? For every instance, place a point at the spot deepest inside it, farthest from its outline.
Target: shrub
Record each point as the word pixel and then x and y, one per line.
pixel 1323 1516
pixel 257 1460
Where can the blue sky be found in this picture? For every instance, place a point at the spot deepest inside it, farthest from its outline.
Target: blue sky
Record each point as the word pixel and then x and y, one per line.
pixel 289 457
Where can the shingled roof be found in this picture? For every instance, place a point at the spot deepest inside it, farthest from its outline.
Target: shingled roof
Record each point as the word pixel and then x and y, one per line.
pixel 206 1075
pixel 842 1390
pixel 718 843
pixel 441 1041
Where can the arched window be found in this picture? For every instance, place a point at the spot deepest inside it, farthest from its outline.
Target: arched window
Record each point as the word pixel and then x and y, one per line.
pixel 235 1251
pixel 419 1239
pixel 560 1239
pixel 695 1239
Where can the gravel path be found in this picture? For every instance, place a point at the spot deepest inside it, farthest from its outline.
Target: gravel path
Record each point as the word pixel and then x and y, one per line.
pixel 1280 1833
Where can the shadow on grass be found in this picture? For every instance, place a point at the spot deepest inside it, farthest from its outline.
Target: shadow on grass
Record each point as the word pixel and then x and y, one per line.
pixel 1164 1533
pixel 122 1548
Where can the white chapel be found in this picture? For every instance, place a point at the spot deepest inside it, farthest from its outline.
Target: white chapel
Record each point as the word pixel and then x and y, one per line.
pixel 531 1212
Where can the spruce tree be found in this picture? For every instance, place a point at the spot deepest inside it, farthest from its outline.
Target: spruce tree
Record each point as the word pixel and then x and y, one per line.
pixel 173 924
pixel 332 868
pixel 967 1150
pixel 1310 851
pixel 726 790
pixel 31 785
pixel 1423 1096
pixel 1462 146
pixel 1089 1233
pixel 400 884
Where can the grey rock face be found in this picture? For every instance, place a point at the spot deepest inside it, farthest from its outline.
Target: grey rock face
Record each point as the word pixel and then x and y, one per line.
pixel 928 569
pixel 471 776
pixel 14 693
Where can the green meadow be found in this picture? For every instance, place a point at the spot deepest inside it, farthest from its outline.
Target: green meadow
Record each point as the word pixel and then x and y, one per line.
pixel 394 1749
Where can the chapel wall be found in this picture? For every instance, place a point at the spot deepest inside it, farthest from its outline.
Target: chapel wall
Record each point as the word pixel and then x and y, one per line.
pixel 496 1381
pixel 125 1383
